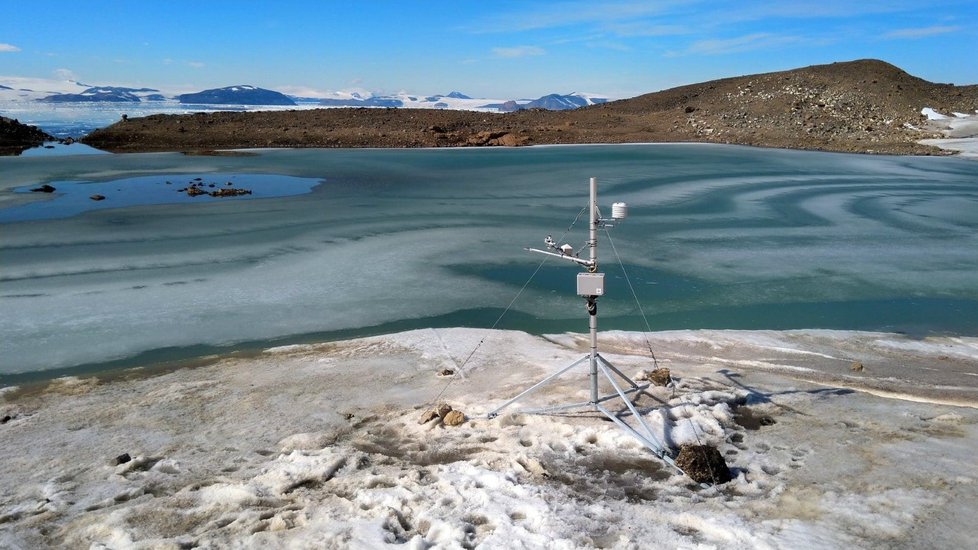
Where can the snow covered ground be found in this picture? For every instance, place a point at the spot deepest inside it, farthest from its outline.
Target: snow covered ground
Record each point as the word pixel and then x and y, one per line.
pixel 835 439
pixel 960 129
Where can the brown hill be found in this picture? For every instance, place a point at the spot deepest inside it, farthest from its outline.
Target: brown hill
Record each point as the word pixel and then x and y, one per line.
pixel 857 106
pixel 16 137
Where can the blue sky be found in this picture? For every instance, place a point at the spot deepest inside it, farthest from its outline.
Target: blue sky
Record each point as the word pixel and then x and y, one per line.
pixel 497 49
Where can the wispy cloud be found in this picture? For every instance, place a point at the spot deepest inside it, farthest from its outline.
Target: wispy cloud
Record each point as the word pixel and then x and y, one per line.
pixel 608 45
pixel 645 28
pixel 749 42
pixel 8 48
pixel 65 74
pixel 518 51
pixel 196 64
pixel 565 14
pixel 922 32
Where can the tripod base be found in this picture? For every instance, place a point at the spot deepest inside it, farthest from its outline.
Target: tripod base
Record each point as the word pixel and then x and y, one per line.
pixel 642 432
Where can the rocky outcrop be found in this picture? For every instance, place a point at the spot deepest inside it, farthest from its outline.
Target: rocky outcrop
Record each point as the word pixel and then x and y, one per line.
pixel 16 137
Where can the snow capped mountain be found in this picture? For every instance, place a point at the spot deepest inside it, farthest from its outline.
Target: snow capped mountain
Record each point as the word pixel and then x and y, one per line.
pixel 362 98
pixel 17 88
pixel 551 102
pixel 236 95
pixel 111 94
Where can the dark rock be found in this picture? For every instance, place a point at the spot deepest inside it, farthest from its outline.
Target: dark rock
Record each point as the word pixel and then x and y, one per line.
pixel 446 372
pixel 703 464
pixel 97 197
pixel 6 418
pixel 229 192
pixel 660 377
pixel 44 189
pixel 122 459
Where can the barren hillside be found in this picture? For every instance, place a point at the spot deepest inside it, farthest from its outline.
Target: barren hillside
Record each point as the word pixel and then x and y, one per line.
pixel 859 106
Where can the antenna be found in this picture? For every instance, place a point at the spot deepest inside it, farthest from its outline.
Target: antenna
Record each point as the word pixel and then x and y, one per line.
pixel 590 286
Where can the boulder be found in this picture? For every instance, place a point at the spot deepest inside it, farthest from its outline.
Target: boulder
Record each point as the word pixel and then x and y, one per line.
pixel 703 464
pixel 453 418
pixel 428 416
pixel 97 197
pixel 660 377
pixel 448 416
pixel 44 189
pixel 121 459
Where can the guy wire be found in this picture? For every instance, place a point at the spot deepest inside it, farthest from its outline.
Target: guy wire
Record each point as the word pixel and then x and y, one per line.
pixel 501 315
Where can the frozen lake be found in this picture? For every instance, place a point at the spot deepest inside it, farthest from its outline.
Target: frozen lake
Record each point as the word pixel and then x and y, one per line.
pixel 376 241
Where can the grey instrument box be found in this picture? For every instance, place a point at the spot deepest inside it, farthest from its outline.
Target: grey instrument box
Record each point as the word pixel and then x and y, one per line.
pixel 590 284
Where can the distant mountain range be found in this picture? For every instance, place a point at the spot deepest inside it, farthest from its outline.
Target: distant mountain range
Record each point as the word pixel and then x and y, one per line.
pixel 248 95
pixel 112 94
pixel 552 102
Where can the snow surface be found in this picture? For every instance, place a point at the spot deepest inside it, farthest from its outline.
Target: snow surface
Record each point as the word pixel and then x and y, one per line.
pixel 319 446
pixel 960 131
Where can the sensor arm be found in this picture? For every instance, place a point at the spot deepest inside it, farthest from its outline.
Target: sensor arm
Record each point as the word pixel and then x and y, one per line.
pixel 575 259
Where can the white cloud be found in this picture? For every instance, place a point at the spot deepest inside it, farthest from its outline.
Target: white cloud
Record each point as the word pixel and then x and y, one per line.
pixel 196 64
pixel 922 32
pixel 65 74
pixel 749 42
pixel 8 48
pixel 518 51
pixel 563 14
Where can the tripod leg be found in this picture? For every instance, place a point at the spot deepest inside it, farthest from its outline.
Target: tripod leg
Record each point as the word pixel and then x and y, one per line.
pixel 536 386
pixel 631 408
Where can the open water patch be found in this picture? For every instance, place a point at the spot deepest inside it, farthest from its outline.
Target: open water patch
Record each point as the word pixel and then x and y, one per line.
pixel 73 197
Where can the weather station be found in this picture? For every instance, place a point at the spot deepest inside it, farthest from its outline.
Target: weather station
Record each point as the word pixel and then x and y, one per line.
pixel 591 286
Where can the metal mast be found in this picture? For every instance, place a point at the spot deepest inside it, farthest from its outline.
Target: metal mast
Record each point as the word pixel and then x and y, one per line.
pixel 590 285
